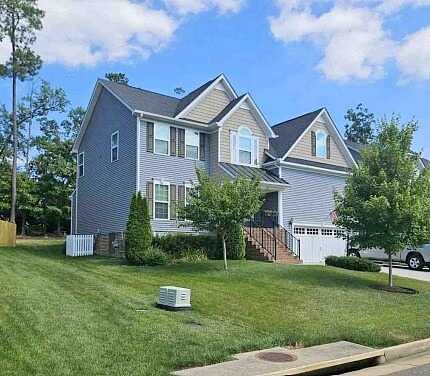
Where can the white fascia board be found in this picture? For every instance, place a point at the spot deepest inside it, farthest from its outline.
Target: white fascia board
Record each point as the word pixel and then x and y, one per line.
pixel 299 166
pixel 190 123
pixel 196 101
pixel 268 130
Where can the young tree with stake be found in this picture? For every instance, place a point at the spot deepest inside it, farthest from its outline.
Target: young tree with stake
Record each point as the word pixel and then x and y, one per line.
pixel 386 201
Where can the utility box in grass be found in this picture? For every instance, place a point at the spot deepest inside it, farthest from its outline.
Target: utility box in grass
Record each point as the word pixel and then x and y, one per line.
pixel 174 298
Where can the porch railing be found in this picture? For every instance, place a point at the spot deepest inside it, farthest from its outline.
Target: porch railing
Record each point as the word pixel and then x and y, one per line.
pixel 266 231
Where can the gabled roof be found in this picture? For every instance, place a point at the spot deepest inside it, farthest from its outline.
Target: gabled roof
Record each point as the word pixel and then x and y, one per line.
pixel 227 109
pixel 249 172
pixel 290 131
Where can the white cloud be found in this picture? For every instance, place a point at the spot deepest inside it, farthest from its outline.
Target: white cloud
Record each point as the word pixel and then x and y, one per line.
pixel 413 56
pixel 352 36
pixel 196 6
pixel 87 32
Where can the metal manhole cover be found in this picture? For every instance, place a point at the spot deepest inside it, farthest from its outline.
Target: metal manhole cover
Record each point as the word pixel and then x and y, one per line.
pixel 276 357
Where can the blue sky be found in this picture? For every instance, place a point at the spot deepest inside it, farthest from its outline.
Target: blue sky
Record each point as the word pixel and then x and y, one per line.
pixel 292 55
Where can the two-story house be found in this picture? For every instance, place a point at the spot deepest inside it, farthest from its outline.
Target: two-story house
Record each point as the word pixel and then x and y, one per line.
pixel 138 140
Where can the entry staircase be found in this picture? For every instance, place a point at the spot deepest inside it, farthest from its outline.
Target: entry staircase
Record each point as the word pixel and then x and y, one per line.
pixel 266 240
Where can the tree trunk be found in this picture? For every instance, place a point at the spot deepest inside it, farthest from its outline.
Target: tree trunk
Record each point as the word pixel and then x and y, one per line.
pixel 23 223
pixel 14 129
pixel 224 249
pixel 390 269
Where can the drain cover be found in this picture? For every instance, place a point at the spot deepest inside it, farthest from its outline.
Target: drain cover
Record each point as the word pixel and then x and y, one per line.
pixel 276 357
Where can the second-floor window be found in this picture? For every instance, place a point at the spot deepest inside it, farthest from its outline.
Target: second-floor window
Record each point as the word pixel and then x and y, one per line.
pixel 321 144
pixel 161 201
pixel 114 146
pixel 81 162
pixel 192 139
pixel 245 146
pixel 161 138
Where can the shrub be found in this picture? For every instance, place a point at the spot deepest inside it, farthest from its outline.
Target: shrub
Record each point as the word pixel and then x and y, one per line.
pixel 154 256
pixel 352 263
pixel 193 256
pixel 235 242
pixel 138 236
pixel 176 244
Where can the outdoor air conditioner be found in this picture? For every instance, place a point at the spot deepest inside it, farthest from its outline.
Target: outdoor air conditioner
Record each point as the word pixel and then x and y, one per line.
pixel 174 298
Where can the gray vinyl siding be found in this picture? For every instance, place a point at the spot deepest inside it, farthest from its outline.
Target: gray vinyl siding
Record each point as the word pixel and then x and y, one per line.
pixel 73 213
pixel 310 196
pixel 105 190
pixel 171 169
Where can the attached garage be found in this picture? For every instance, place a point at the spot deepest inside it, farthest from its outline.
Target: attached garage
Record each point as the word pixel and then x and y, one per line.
pixel 318 242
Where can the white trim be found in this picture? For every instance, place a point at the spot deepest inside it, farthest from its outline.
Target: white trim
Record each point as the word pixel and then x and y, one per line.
pixel 247 97
pixel 150 116
pixel 203 94
pixel 316 224
pixel 112 147
pixel 155 138
pixel 138 155
pixel 83 164
pixel 325 134
pixel 76 207
pixel 333 126
pixel 299 166
pixel 160 182
pixel 280 204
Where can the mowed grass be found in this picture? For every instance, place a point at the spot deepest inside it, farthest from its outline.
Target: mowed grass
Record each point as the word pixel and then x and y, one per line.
pixel 96 316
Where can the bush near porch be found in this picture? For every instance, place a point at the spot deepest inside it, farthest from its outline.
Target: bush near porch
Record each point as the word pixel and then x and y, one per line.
pixel 94 315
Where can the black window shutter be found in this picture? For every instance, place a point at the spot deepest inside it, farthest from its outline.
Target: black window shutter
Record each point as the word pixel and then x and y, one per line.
pixel 150 196
pixel 202 148
pixel 328 146
pixel 314 143
pixel 181 142
pixel 181 198
pixel 173 141
pixel 173 201
pixel 150 137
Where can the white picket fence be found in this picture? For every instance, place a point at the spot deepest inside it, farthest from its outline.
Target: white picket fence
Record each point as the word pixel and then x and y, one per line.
pixel 80 245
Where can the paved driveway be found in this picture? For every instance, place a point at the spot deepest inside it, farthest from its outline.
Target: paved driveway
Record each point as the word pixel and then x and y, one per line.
pixel 404 271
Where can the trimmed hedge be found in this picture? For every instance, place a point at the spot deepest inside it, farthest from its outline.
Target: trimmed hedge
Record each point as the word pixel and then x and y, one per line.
pixel 235 242
pixel 176 245
pixel 352 263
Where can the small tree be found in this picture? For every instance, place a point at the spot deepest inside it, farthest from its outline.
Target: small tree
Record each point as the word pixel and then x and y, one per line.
pixel 235 243
pixel 119 78
pixel 386 201
pixel 138 238
pixel 220 205
pixel 360 125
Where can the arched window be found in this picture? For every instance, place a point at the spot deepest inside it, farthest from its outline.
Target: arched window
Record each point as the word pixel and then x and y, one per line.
pixel 245 146
pixel 321 144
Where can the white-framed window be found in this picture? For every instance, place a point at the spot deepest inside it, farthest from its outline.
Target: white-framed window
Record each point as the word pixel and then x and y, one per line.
pixel 161 200
pixel 299 230
pixel 321 144
pixel 114 146
pixel 312 231
pixel 81 164
pixel 245 146
pixel 161 138
pixel 192 141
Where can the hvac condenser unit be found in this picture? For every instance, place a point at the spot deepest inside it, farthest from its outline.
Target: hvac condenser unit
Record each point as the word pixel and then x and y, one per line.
pixel 174 298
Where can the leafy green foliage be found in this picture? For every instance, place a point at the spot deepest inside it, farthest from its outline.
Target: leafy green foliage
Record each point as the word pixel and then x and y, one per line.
pixel 119 78
pixel 154 257
pixel 138 237
pixel 352 263
pixel 235 241
pixel 360 126
pixel 176 244
pixel 193 256
pixel 386 201
pixel 219 205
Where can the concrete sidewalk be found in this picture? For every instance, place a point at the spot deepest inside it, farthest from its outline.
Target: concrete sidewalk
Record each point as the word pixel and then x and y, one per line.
pixel 404 271
pixel 281 361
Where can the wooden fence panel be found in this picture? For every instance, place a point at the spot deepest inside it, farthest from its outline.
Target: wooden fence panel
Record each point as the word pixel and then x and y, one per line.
pixel 7 234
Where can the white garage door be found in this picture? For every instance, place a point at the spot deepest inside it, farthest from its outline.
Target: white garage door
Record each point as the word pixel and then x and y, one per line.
pixel 316 243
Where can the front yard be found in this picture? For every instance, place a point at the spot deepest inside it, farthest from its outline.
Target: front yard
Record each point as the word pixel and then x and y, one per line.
pixel 96 316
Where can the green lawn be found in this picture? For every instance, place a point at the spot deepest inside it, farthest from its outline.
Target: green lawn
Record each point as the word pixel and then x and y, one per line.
pixel 77 316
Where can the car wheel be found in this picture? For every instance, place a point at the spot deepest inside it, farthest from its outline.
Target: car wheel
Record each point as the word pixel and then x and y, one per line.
pixel 415 261
pixel 354 254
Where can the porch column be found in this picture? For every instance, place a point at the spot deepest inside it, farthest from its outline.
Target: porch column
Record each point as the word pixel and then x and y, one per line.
pixel 280 212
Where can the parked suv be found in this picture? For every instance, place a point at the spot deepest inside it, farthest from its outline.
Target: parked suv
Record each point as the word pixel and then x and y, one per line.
pixel 415 258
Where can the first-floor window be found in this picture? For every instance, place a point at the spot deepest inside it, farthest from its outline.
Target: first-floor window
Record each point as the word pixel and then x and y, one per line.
pixel 161 207
pixel 81 161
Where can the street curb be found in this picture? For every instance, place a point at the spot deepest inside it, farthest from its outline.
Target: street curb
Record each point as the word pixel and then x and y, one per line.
pixel 407 349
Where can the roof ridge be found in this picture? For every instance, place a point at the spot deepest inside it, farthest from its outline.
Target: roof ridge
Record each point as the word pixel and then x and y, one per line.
pixel 298 117
pixel 139 88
